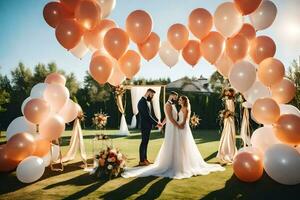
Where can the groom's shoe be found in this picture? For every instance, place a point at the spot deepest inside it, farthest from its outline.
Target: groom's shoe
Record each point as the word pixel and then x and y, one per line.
pixel 144 163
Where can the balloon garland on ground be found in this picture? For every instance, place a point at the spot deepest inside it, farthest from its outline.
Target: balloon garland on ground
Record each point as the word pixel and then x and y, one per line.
pixel 235 49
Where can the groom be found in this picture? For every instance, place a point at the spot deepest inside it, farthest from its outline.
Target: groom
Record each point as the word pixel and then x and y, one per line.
pixel 147 122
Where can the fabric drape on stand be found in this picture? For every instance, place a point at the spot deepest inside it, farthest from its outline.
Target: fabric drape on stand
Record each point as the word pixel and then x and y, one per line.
pixel 227 147
pixel 123 124
pixel 245 128
pixel 156 102
pixel 75 144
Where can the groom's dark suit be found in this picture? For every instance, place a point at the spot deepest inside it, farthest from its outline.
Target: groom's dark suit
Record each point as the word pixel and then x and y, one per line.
pixel 147 122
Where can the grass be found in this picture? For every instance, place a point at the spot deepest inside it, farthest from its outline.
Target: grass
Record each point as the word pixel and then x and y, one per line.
pixel 74 183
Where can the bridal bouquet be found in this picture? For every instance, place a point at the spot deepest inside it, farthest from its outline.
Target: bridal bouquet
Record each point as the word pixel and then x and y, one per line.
pixel 111 163
pixel 100 120
pixel 225 114
pixel 195 121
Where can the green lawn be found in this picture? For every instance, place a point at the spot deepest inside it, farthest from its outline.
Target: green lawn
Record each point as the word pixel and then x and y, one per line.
pixel 74 183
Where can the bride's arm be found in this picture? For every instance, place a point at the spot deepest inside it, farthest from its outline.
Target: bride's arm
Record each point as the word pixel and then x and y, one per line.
pixel 185 116
pixel 169 114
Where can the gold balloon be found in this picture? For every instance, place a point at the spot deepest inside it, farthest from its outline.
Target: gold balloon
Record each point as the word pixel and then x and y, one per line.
pixel 266 111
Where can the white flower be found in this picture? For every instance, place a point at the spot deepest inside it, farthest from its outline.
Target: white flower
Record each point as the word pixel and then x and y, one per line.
pixel 119 156
pixel 109 167
pixel 108 159
pixel 113 151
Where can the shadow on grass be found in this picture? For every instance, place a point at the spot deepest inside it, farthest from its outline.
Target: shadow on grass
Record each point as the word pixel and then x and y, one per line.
pixel 155 189
pixel 128 189
pixel 265 188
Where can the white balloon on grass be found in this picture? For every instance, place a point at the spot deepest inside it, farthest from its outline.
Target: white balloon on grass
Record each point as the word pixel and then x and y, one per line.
pixel 30 169
pixel 19 125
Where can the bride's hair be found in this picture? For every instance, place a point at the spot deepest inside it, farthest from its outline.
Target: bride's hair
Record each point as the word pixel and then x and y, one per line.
pixel 185 101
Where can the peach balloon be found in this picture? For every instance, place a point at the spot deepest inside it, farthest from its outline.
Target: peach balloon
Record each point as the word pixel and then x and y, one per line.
pixel 247 6
pixel 139 26
pixel 227 19
pixel 68 33
pixel 6 164
pixel 52 127
pixel 200 22
pixel 242 75
pixel 94 38
pixel 42 147
pixel 101 68
pixel 56 96
pixel 248 31
pixel 266 111
pixel 117 76
pixel 237 47
pixel 116 42
pixel 20 146
pixel 54 12
pixel 70 5
pixel 150 47
pixel 88 14
pixel 248 166
pixel 287 129
pixel 224 65
pixel 178 36
pixel 36 110
pixel 191 52
pixel 270 71
pixel 69 112
pixel 284 91
pixel 212 47
pixel 130 63
pixel 261 48
pixel 56 78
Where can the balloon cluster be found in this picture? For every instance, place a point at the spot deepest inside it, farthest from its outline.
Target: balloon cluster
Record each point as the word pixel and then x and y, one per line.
pixel 29 137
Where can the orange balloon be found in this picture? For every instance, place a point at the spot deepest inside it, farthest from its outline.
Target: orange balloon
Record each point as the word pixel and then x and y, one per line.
pixel 6 164
pixel 248 166
pixel 191 52
pixel 178 36
pixel 261 48
pixel 200 22
pixel 237 47
pixel 139 26
pixel 54 12
pixel 56 78
pixel 287 129
pixel 94 38
pixel 270 71
pixel 247 6
pixel 116 42
pixel 70 5
pixel 224 65
pixel 68 33
pixel 266 111
pixel 56 95
pixel 150 47
pixel 42 147
pixel 212 46
pixel 130 63
pixel 248 31
pixel 52 127
pixel 20 146
pixel 101 68
pixel 36 110
pixel 88 14
pixel 284 91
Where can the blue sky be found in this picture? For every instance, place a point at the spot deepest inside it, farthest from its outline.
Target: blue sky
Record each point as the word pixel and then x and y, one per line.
pixel 26 37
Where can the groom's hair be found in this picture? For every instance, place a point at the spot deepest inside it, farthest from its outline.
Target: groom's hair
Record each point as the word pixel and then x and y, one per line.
pixel 174 93
pixel 151 90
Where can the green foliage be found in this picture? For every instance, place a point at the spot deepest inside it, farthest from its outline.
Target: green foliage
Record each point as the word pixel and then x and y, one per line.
pixel 217 81
pixel 294 75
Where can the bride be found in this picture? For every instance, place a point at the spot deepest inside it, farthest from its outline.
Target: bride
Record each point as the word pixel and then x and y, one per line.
pixel 179 156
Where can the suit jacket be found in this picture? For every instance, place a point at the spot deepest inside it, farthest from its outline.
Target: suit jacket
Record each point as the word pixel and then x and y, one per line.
pixel 147 120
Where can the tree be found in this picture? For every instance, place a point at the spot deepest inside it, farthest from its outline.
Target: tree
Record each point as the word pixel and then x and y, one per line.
pixel 73 85
pixel 5 89
pixel 294 75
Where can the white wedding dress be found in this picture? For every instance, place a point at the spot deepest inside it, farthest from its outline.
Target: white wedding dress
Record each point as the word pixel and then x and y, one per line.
pixel 178 157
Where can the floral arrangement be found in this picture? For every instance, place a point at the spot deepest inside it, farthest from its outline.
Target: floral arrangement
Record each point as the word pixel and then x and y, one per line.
pixel 101 137
pixel 100 120
pixel 225 114
pixel 111 163
pixel 228 93
pixel 81 116
pixel 120 90
pixel 195 121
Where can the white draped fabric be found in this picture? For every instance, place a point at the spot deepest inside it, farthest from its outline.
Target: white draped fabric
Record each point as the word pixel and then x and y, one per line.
pixel 75 144
pixel 245 128
pixel 136 94
pixel 123 126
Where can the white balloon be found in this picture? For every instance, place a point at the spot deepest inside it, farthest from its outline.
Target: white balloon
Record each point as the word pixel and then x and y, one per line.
pixel 257 90
pixel 47 159
pixel 30 169
pixel 55 152
pixel 264 16
pixel 24 104
pixel 69 112
pixel 107 6
pixel 18 125
pixel 168 54
pixel 38 90
pixel 282 163
pixel 288 109
pixel 80 50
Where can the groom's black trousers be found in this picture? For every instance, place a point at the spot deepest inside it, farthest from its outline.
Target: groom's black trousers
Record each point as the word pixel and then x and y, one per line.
pixel 144 144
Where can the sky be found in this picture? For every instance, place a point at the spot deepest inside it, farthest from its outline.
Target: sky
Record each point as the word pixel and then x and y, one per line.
pixel 26 37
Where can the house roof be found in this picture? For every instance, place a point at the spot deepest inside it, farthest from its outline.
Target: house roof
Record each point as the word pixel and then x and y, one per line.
pixel 191 85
